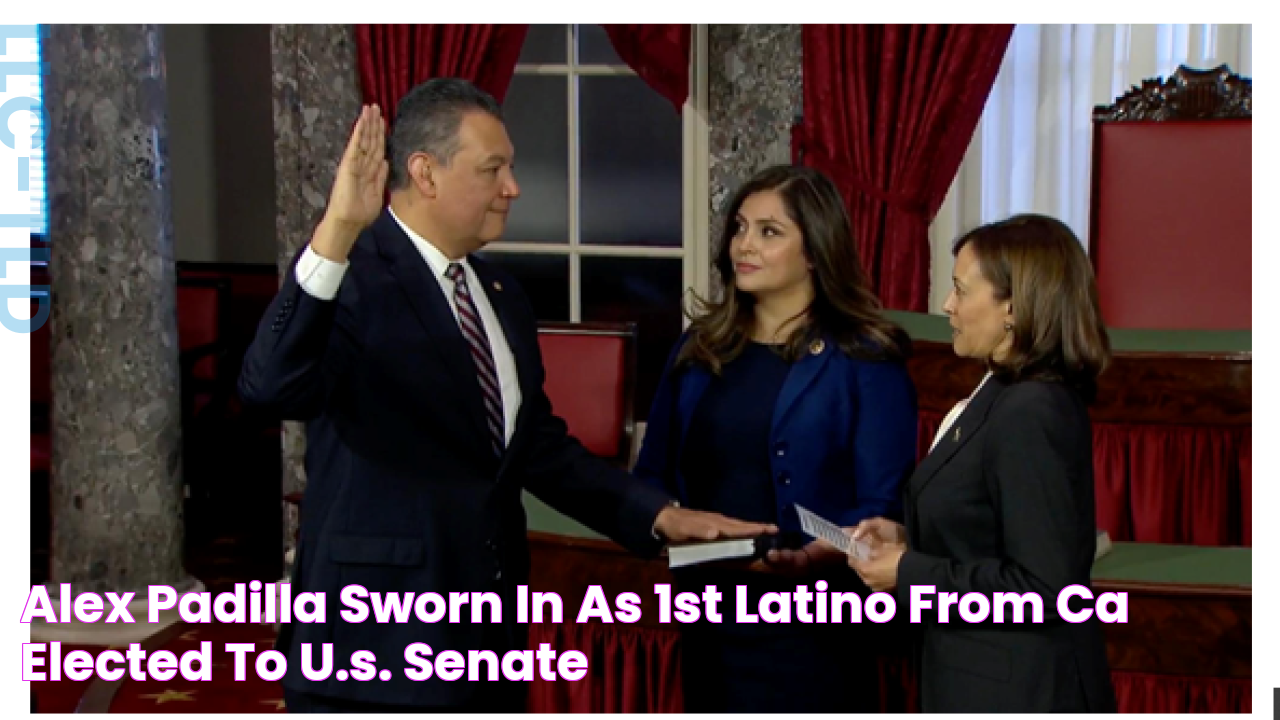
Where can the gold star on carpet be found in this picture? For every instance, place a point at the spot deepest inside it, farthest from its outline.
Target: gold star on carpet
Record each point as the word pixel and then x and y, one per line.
pixel 170 696
pixel 279 704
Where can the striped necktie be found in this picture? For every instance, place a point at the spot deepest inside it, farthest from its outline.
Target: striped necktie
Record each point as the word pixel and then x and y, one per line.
pixel 478 341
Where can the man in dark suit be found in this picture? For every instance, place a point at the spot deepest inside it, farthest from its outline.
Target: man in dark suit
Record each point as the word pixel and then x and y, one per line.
pixel 417 369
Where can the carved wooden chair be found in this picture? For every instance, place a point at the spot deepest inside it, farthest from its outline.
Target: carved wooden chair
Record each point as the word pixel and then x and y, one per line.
pixel 1171 217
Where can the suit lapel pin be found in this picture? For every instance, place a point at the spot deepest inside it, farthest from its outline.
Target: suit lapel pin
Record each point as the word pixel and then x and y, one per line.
pixel 957 438
pixel 816 347
pixel 497 286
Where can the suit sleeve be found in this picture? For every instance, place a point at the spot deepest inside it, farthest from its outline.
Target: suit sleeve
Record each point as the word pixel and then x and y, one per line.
pixel 303 344
pixel 884 443
pixel 654 460
pixel 1029 456
pixel 563 474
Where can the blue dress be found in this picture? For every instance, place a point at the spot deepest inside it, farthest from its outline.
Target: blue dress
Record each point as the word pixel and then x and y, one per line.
pixel 761 667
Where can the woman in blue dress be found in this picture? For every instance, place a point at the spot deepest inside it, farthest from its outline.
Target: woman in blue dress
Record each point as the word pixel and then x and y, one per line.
pixel 790 390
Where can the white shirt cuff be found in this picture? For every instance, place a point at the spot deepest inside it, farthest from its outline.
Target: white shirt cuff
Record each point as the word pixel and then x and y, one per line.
pixel 318 276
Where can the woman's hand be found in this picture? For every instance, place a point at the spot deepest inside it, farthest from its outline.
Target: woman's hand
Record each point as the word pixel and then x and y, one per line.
pixel 878 530
pixel 881 571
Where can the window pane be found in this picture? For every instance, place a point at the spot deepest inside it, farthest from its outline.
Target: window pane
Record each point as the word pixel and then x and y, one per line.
pixel 545 44
pixel 594 47
pixel 544 278
pixel 537 117
pixel 630 158
pixel 644 291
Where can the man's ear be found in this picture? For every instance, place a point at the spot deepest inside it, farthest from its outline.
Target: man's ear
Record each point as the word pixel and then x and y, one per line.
pixel 422 173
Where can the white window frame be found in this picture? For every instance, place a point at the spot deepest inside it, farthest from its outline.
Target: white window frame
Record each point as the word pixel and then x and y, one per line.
pixel 695 178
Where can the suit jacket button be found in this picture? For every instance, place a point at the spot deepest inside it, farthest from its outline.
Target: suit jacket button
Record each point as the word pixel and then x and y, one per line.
pixel 497 575
pixel 784 478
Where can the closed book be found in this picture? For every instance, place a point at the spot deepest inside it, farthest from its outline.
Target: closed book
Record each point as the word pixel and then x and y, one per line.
pixel 738 549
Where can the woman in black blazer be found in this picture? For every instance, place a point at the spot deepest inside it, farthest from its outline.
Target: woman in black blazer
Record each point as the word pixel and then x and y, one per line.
pixel 1004 502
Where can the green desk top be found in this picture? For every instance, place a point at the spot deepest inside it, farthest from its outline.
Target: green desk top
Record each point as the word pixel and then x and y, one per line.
pixel 1178 564
pixel 1127 562
pixel 923 326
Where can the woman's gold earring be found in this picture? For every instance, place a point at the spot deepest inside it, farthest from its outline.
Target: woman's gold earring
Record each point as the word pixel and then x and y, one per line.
pixel 1008 327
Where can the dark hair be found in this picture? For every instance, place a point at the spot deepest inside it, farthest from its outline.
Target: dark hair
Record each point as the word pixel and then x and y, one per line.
pixel 1058 333
pixel 427 120
pixel 843 304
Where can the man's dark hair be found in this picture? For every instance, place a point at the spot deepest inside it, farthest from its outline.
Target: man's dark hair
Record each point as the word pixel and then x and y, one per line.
pixel 427 120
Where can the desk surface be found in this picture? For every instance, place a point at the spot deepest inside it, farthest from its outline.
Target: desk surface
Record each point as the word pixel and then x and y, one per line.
pixel 1140 563
pixel 1177 564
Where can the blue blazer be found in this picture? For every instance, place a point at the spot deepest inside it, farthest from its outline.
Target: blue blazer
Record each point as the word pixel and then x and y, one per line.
pixel 843 439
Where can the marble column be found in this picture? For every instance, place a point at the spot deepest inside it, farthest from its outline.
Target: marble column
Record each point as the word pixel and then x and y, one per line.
pixel 755 97
pixel 315 100
pixel 116 485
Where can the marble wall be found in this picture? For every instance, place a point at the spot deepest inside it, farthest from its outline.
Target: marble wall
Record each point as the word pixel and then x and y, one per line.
pixel 755 98
pixel 116 488
pixel 315 100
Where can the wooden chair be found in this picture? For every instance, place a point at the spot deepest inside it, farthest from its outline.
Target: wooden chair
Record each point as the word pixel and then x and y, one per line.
pixel 591 376
pixel 1171 221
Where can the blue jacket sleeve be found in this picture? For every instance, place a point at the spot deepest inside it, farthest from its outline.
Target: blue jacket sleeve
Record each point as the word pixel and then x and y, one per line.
pixel 653 463
pixel 884 441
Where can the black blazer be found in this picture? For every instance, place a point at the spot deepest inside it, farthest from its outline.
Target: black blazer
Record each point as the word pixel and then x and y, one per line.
pixel 404 492
pixel 1005 503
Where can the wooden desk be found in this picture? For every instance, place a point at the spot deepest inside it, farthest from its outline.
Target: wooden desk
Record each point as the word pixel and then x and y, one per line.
pixel 1190 608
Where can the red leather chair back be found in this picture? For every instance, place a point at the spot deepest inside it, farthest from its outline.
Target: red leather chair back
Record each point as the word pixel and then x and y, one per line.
pixel 590 380
pixel 251 288
pixel 199 321
pixel 1172 227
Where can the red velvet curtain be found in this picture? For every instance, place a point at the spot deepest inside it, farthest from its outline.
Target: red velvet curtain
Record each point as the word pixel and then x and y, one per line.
pixel 394 58
pixel 1173 484
pixel 1164 483
pixel 630 670
pixel 1144 693
pixel 659 54
pixel 1246 486
pixel 637 670
pixel 888 114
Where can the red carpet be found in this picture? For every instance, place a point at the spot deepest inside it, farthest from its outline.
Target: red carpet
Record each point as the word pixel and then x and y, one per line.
pixel 221 694
pixel 61 696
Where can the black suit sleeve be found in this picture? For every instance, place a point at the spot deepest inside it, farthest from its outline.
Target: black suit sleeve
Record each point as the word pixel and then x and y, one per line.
pixel 302 347
pixel 1029 462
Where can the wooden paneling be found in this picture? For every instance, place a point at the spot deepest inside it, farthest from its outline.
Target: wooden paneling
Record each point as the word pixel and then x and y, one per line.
pixel 1140 388
pixel 1187 630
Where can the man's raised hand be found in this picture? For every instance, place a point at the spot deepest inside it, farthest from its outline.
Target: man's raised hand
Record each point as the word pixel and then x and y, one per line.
pixel 356 198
